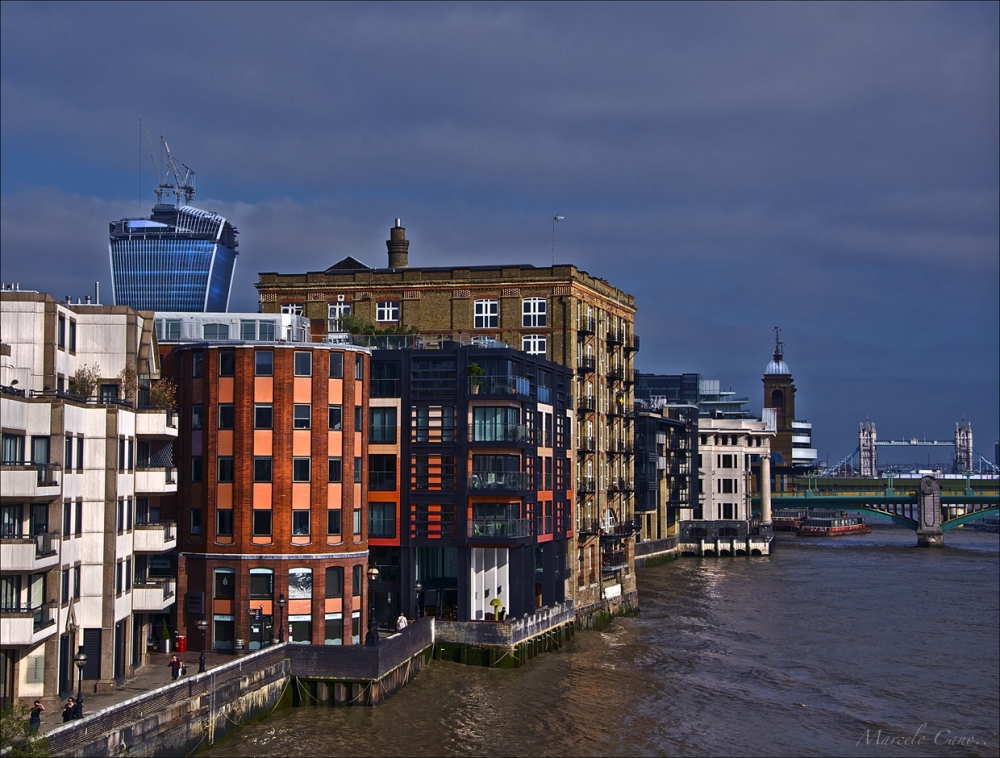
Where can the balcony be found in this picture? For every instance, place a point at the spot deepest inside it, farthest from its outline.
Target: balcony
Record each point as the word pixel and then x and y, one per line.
pixel 586 445
pixel 507 529
pixel 156 423
pixel 500 385
pixel 588 526
pixel 26 626
pixel 157 537
pixel 616 338
pixel 619 447
pixel 612 561
pixel 612 532
pixel 632 343
pixel 31 480
pixel 517 481
pixel 586 404
pixel 616 372
pixel 29 554
pixel 586 325
pixel 153 595
pixel 155 481
pixel 481 432
pixel 586 364
pixel 587 485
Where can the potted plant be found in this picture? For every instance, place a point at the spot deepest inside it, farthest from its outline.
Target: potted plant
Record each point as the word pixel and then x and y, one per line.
pixel 475 372
pixel 164 637
pixel 238 641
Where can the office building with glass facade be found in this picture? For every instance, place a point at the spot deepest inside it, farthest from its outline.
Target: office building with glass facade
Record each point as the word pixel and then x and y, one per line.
pixel 179 259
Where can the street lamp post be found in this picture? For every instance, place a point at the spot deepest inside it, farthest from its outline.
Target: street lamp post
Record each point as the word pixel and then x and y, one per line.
pixel 202 625
pixel 81 660
pixel 281 617
pixel 417 589
pixel 372 637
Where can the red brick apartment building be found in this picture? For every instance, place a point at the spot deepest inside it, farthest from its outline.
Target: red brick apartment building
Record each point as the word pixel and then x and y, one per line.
pixel 273 475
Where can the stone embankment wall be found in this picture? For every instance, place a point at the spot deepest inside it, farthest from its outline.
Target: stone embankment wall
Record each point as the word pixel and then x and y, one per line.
pixel 655 552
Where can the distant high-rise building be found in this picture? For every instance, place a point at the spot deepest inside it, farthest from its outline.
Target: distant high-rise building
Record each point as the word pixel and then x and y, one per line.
pixel 179 259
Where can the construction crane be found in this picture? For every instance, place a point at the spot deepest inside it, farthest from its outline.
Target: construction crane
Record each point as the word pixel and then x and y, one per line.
pixel 184 189
pixel 160 186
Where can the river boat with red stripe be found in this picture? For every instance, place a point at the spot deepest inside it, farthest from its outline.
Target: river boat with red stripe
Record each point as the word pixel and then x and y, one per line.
pixel 838 525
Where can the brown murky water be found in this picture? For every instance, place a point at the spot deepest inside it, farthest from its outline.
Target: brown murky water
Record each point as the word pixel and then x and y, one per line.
pixel 829 647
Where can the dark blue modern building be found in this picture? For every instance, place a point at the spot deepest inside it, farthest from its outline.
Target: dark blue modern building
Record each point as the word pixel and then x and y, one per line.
pixel 179 259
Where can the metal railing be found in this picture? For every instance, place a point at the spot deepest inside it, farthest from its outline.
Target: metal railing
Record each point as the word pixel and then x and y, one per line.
pixel 505 528
pixel 632 343
pixel 488 432
pixel 586 325
pixel 166 584
pixel 500 385
pixel 616 337
pixel 586 364
pixel 586 404
pixel 386 388
pixel 586 445
pixel 499 480
pixel 587 484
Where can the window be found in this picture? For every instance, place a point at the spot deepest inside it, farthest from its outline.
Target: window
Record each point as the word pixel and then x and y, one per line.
pixel 197 359
pixel 196 416
pixel 303 364
pixel 335 581
pixel 533 344
pixel 224 522
pixel 335 312
pixel 293 309
pixel 262 469
pixel 336 365
pixel 248 330
pixel 261 583
pixel 382 472
pixel 358 418
pixel 387 310
pixel 13 449
pixel 120 522
pixel 261 528
pixel 109 393
pixel 263 416
pixel 357 521
pixel 359 368
pixel 357 470
pixel 335 468
pixel 266 331
pixel 300 469
pixel 225 468
pixel 216 332
pixel 382 520
pixel 487 314
pixel 385 380
pixel 301 416
pixel 533 311
pixel 382 428
pixel 67 519
pixel 196 521
pixel 78 523
pixel 300 523
pixel 333 522
pixel 61 332
pixel 72 336
pixel 227 363
pixel 336 418
pixel 333 633
pixel 356 580
pixel 169 329
pixel 79 453
pixel 300 584
pixel 263 362
pixel 227 416
pixel 68 453
pixel 225 584
pixel 195 468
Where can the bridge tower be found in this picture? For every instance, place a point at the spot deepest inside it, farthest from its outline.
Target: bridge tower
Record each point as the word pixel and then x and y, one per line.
pixel 963 446
pixel 866 449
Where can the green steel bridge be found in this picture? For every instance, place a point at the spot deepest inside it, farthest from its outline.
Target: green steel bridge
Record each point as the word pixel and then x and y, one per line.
pixel 928 506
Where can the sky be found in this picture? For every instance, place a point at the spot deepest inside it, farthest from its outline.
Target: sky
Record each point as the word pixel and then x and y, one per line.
pixel 831 169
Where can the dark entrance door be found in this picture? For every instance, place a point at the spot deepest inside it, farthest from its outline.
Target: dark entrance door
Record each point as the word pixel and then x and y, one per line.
pixel 120 651
pixel 65 665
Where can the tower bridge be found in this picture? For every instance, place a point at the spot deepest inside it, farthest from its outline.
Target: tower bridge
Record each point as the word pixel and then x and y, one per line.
pixel 966 458
pixel 922 505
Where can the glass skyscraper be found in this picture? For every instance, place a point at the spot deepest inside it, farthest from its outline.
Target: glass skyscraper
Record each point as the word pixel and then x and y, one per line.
pixel 179 259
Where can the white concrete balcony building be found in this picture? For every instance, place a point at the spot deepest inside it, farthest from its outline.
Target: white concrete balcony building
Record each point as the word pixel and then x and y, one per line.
pixel 154 595
pixel 27 627
pixel 29 555
pixel 154 538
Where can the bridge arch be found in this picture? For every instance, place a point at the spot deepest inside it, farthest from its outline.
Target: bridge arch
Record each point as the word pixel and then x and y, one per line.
pixel 969 517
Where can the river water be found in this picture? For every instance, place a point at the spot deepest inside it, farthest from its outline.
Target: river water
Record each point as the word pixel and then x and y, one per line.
pixel 861 645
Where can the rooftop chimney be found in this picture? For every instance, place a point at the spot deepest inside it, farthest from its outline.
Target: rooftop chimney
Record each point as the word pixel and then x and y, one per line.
pixel 398 247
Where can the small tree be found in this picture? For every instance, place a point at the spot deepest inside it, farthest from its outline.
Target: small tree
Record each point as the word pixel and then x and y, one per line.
pixel 475 372
pixel 129 382
pixel 163 394
pixel 84 382
pixel 16 739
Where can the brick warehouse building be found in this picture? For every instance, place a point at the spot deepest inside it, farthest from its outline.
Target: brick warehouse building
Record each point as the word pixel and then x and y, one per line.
pixel 486 513
pixel 560 313
pixel 272 459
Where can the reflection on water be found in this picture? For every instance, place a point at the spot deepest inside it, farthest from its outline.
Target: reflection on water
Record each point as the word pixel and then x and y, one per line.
pixel 810 651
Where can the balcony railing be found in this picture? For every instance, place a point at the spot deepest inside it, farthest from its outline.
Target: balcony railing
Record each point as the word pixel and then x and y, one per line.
pixel 587 485
pixel 616 372
pixel 501 529
pixel 616 338
pixel 499 480
pixel 589 526
pixel 586 445
pixel 632 343
pixel 482 432
pixel 612 561
pixel 586 404
pixel 42 615
pixel 586 325
pixel 500 385
pixel 386 388
pixel 586 364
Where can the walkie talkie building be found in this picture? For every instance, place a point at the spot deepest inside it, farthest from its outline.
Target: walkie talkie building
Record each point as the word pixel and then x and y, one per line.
pixel 179 259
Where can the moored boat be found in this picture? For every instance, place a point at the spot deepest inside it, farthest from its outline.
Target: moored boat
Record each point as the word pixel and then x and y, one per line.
pixel 836 525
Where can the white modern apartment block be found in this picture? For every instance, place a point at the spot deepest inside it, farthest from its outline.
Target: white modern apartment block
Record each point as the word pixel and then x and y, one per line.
pixel 84 563
pixel 733 467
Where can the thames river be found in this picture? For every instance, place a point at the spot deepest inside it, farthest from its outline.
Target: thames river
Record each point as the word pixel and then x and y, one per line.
pixel 861 645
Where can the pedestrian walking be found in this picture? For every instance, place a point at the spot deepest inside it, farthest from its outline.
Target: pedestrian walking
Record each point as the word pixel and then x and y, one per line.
pixel 175 667
pixel 401 623
pixel 69 712
pixel 35 717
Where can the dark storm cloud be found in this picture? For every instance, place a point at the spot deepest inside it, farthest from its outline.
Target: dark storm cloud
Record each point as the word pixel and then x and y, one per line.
pixel 829 168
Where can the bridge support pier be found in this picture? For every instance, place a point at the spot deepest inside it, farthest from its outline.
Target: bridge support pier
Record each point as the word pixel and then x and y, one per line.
pixel 929 533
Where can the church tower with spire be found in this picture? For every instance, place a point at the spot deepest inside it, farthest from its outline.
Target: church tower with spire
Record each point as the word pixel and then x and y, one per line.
pixel 793 441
